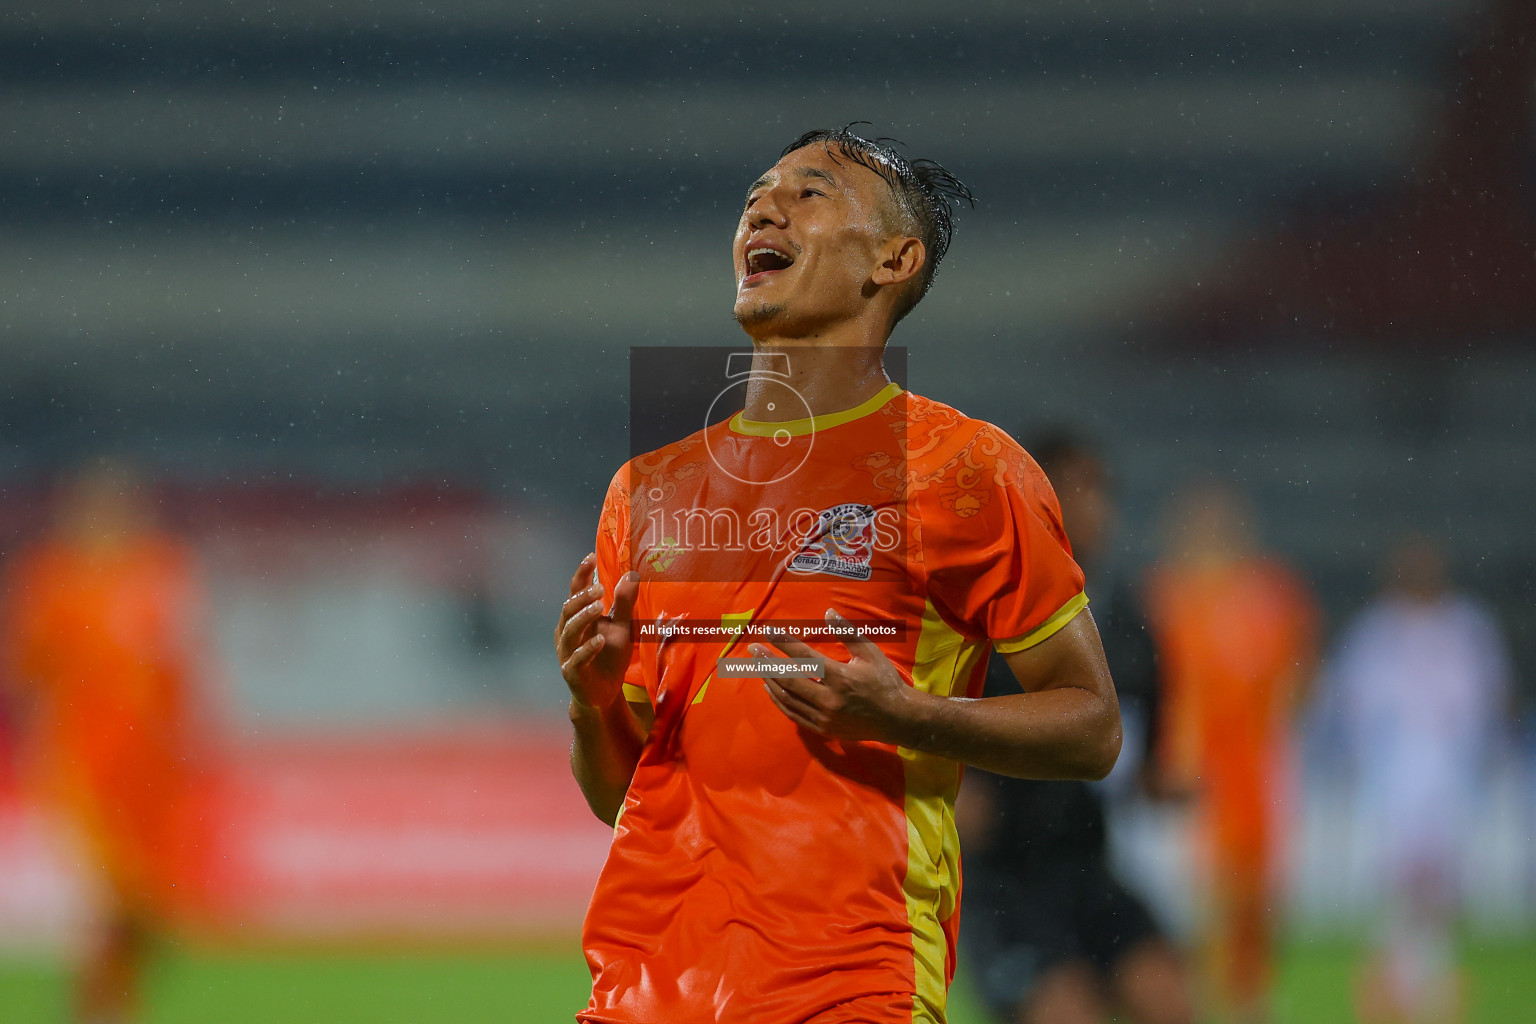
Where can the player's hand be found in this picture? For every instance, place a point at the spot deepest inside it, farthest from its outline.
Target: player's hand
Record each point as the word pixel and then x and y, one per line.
pixel 594 649
pixel 864 698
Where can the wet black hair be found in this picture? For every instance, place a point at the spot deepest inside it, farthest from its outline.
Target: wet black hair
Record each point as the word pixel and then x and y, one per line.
pixel 925 190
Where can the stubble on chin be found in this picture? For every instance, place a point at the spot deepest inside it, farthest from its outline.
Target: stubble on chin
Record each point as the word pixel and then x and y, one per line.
pixel 758 313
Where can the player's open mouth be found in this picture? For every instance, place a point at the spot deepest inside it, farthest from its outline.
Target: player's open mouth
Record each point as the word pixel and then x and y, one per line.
pixel 763 260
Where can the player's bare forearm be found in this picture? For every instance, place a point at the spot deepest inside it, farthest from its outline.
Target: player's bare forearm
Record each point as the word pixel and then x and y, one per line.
pixel 604 754
pixel 1066 725
pixel 594 651
pixel 1062 733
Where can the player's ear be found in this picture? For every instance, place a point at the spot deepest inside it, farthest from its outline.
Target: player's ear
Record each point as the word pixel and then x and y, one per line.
pixel 901 259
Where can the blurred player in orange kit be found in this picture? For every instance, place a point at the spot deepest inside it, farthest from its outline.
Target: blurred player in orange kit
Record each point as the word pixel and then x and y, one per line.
pixel 97 628
pixel 784 843
pixel 1237 631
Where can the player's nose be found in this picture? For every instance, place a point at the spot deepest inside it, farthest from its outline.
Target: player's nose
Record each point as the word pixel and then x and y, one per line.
pixel 766 209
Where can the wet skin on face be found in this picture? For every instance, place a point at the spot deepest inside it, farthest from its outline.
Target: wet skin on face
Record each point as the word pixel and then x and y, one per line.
pixel 812 233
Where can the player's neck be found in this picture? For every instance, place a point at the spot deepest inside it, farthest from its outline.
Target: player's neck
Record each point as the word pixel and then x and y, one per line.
pixel 831 379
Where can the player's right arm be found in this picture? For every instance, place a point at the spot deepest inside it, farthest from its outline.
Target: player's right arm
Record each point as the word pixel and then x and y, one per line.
pixel 594 650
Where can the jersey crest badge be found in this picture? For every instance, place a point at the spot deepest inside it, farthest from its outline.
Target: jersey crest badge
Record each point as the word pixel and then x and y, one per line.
pixel 841 543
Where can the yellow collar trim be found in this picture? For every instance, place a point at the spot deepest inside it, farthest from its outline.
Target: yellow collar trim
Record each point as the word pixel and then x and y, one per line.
pixel 810 424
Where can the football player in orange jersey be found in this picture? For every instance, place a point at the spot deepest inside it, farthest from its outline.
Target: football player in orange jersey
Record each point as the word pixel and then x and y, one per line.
pixel 784 847
pixel 97 643
pixel 1237 629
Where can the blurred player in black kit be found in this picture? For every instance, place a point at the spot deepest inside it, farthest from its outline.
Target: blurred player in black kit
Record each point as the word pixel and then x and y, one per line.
pixel 1054 936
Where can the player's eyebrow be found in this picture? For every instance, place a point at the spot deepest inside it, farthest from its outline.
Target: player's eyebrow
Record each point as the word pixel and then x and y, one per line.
pixel 816 172
pixel 800 172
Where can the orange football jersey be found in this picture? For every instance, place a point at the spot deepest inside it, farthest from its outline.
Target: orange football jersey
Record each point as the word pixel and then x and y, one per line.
pixel 761 872
pixel 1235 640
pixel 102 641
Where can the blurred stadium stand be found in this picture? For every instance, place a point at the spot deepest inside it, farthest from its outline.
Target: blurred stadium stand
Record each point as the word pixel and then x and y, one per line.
pixel 294 250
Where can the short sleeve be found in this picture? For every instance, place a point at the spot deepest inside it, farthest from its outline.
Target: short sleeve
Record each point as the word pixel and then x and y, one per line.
pixel 997 559
pixel 613 561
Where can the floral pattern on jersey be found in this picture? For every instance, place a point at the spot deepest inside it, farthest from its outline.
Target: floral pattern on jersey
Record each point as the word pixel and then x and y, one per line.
pixel 887 472
pixel 654 479
pixel 962 467
pixel 965 481
pixel 662 470
pixel 613 522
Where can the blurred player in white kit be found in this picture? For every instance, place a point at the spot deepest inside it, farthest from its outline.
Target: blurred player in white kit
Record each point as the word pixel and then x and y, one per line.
pixel 1422 677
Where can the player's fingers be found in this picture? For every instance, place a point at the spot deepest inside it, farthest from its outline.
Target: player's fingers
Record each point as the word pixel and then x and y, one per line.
pixel 794 667
pixel 580 656
pixel 582 608
pixel 793 710
pixel 788 696
pixel 793 651
pixel 807 691
pixel 579 600
pixel 584 570
pixel 624 593
pixel 572 635
pixel 859 645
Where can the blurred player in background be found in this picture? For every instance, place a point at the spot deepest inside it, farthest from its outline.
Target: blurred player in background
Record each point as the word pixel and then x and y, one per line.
pixel 784 847
pixel 1051 935
pixel 1236 630
pixel 97 645
pixel 1422 677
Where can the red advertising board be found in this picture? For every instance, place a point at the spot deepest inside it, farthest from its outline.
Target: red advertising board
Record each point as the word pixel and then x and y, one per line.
pixel 463 832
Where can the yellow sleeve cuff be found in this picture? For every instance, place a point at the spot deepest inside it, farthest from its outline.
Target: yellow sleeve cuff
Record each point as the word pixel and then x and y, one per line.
pixel 1047 629
pixel 636 694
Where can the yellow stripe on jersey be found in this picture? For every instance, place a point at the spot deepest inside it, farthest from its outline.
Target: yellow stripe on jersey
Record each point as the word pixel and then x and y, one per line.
pixel 811 424
pixel 636 694
pixel 1047 629
pixel 734 623
pixel 943 664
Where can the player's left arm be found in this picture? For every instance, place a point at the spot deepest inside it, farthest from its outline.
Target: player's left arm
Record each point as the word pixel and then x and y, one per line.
pixel 1064 725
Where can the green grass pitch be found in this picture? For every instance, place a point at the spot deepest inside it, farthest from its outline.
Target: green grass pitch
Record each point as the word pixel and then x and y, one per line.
pixel 214 986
